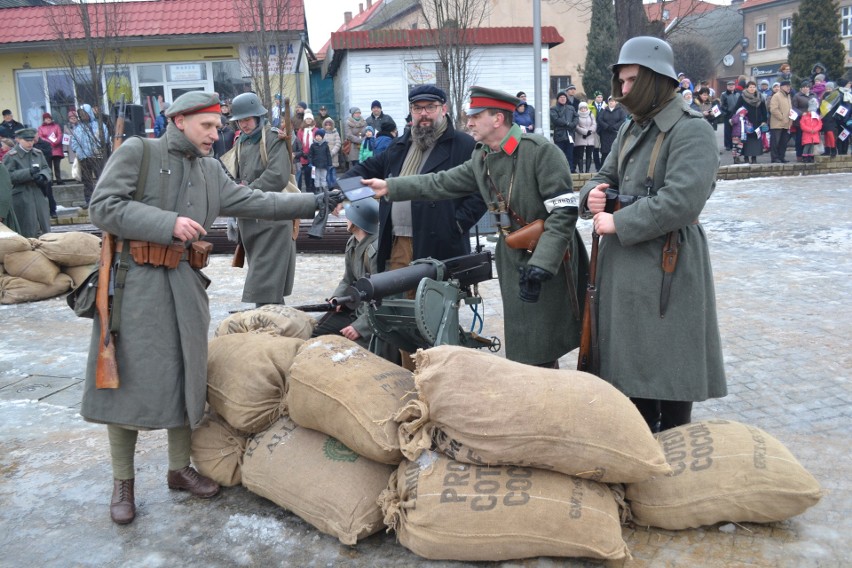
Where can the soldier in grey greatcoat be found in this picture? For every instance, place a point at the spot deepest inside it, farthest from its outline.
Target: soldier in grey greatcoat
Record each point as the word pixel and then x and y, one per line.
pixel 269 245
pixel 28 169
pixel 658 336
pixel 525 177
pixel 161 346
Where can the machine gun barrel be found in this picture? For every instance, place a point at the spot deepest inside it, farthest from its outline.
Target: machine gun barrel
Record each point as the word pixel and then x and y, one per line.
pixel 468 270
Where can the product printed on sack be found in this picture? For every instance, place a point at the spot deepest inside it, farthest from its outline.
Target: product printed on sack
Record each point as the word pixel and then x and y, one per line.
pixel 693 450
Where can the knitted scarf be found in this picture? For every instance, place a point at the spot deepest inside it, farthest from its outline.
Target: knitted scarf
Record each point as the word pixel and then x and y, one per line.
pixel 648 96
pixel 414 159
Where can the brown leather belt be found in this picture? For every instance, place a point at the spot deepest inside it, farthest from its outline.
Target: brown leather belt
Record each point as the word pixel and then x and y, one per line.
pixel 155 254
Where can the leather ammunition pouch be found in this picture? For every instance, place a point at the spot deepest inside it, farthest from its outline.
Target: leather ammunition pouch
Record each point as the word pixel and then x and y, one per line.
pixel 155 254
pixel 199 254
pixel 527 237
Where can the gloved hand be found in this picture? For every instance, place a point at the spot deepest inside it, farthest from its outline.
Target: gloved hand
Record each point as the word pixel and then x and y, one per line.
pixel 530 282
pixel 335 198
pixel 35 168
pixel 40 179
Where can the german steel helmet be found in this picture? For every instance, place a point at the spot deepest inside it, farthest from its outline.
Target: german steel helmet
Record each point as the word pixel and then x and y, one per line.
pixel 246 105
pixel 364 213
pixel 650 52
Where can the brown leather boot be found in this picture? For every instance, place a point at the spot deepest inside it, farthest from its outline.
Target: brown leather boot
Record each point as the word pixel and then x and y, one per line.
pixel 122 507
pixel 187 479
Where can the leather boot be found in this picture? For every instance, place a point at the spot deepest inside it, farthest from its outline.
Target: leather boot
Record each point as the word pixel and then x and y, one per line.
pixel 187 479
pixel 122 507
pixel 754 159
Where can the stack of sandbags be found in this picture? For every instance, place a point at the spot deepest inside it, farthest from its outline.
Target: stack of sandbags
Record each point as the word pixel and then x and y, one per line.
pixel 526 455
pixel 271 319
pixel 75 253
pixel 305 470
pixel 722 471
pixel 331 458
pixel 37 269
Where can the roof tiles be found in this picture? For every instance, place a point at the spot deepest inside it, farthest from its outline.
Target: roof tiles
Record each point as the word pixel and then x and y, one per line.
pixel 137 19
pixel 389 39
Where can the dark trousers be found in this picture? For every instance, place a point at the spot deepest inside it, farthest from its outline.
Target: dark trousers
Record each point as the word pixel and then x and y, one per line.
pixel 57 173
pixel 798 142
pixel 662 415
pixel 583 158
pixel 568 149
pixel 778 139
pixel 728 134
pixel 304 174
pixel 596 156
pixel 90 171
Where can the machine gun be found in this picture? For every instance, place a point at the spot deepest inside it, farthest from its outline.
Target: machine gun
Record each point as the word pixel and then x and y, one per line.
pixel 432 317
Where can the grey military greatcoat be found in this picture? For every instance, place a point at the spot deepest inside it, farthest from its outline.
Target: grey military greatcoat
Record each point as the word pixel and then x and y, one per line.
pixel 678 357
pixel 162 343
pixel 28 201
pixel 535 332
pixel 269 244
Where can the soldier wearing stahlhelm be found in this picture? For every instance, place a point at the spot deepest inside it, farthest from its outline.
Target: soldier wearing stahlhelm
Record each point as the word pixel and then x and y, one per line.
pixel 657 330
pixel 263 162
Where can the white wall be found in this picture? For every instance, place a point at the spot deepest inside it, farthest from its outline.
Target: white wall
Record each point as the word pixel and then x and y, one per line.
pixel 374 74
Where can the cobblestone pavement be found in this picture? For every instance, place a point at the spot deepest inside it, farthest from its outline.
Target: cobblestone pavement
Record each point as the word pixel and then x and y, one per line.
pixel 781 256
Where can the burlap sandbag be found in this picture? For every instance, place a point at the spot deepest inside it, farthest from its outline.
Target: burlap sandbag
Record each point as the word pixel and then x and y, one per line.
pixel 217 450
pixel 722 471
pixel 447 510
pixel 31 265
pixel 339 388
pixel 480 408
pixel 69 249
pixel 246 374
pixel 272 319
pixel 318 478
pixel 10 241
pixel 78 273
pixel 15 290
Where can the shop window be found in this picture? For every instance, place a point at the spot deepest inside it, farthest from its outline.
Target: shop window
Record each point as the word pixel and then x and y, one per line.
pixel 228 80
pixel 31 94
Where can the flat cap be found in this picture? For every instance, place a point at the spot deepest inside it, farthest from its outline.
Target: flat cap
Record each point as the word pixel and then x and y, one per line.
pixel 785 82
pixel 194 102
pixel 427 93
pixel 26 133
pixel 732 82
pixel 804 84
pixel 482 98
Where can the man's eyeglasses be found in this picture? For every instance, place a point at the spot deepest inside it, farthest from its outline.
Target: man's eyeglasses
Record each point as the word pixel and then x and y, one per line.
pixel 422 109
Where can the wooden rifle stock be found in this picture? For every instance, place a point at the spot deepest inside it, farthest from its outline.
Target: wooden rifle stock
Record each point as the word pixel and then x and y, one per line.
pixel 239 259
pixel 586 358
pixel 106 372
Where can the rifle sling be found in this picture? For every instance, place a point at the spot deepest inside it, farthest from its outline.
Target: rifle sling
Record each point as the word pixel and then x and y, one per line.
pixel 123 264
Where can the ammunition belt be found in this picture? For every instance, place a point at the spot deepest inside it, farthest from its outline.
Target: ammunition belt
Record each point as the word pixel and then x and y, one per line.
pixel 155 254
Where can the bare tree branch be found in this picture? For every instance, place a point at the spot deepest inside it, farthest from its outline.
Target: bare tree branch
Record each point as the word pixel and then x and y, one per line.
pixel 451 24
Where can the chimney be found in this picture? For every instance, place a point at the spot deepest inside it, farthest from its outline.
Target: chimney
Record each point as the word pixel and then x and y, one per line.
pixel 347 17
pixel 369 4
pixel 360 8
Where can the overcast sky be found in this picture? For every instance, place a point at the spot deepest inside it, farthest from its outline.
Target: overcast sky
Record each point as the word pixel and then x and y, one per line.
pixel 325 16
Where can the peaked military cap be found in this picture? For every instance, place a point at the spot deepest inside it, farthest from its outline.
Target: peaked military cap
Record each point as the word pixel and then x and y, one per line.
pixel 426 93
pixel 194 102
pixel 482 98
pixel 26 133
